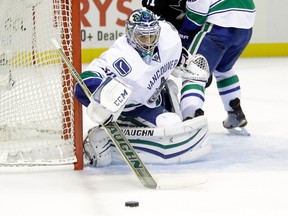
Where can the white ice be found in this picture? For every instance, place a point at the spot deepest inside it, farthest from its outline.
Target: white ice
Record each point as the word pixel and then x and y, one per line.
pixel 247 176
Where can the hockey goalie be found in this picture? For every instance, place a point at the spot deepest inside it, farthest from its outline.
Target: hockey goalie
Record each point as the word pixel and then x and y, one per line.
pixel 131 84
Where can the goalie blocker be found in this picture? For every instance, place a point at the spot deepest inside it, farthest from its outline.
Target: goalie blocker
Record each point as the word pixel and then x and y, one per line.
pixel 181 143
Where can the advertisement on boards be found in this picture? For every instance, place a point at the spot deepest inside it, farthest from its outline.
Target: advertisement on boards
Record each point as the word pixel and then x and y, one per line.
pixel 103 21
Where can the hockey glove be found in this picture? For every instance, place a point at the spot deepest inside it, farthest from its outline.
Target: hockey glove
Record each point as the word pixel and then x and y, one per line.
pixel 192 67
pixel 108 101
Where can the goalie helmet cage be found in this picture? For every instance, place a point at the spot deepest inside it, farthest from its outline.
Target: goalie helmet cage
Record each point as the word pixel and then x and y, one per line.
pixel 40 121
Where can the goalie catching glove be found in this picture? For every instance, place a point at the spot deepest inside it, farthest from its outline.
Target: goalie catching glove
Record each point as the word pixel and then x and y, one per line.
pixel 108 101
pixel 192 67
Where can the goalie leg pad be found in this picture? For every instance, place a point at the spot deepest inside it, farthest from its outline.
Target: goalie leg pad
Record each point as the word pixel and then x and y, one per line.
pixel 97 148
pixel 168 118
pixel 174 144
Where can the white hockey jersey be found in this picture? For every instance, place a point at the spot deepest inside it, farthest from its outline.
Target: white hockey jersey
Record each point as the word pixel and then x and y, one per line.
pixel 146 81
pixel 225 13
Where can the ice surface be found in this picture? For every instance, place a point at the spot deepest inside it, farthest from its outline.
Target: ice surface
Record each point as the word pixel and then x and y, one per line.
pixel 247 176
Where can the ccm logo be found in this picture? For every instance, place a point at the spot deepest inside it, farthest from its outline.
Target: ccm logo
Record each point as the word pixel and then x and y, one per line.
pixel 121 98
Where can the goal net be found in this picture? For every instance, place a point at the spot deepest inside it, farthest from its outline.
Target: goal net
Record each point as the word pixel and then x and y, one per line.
pixel 37 108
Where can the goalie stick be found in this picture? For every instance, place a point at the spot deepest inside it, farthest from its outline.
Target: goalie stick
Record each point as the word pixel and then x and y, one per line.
pixel 124 146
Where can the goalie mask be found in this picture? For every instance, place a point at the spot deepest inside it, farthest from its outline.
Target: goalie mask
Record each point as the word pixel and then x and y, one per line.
pixel 143 30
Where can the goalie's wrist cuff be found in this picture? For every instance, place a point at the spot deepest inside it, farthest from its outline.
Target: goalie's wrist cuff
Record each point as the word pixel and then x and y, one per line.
pixel 110 119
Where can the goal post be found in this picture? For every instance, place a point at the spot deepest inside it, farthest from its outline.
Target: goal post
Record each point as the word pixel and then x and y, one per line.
pixel 78 119
pixel 40 120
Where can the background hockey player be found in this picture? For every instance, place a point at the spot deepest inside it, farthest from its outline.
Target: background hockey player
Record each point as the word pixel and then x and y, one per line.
pixel 172 11
pixel 127 82
pixel 220 31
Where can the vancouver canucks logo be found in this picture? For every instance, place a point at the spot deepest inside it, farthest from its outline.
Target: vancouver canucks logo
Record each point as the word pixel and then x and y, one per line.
pixel 122 67
pixel 146 15
pixel 141 15
pixel 157 91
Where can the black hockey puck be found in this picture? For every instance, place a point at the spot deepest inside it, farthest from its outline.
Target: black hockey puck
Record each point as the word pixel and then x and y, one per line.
pixel 131 204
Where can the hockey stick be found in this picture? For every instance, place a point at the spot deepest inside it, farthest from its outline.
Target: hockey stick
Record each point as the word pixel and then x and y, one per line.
pixel 112 129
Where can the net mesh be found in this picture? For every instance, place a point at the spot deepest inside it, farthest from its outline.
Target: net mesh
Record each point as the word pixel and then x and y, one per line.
pixel 36 90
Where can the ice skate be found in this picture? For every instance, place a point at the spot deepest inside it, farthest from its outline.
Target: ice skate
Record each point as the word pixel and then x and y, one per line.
pixel 236 121
pixel 198 112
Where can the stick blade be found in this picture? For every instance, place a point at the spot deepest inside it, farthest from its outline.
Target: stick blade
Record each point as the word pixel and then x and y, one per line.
pixel 180 181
